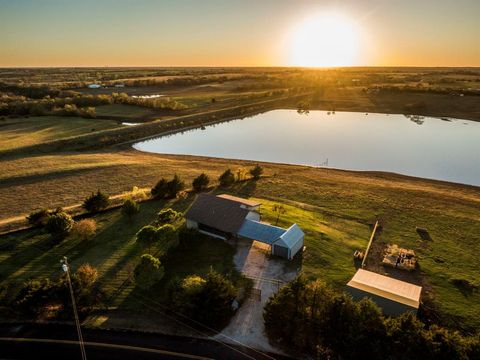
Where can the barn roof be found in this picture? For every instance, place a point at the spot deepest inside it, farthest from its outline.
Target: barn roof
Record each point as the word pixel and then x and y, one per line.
pixel 220 213
pixel 291 236
pixel 387 287
pixel 259 231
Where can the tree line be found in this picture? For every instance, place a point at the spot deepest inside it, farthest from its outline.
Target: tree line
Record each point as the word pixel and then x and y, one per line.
pixel 312 318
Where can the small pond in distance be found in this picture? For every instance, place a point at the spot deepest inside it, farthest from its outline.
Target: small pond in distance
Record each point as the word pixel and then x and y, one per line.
pixel 443 149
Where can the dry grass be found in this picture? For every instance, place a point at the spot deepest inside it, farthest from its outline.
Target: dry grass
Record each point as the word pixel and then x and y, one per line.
pixel 33 130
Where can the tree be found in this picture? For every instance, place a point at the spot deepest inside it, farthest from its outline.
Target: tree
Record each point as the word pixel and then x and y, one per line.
pixel 279 210
pixel 85 229
pixel 207 300
pixel 130 208
pixel 39 217
pixel 86 275
pixel 241 174
pixel 167 216
pixel 147 236
pixel 59 225
pixel 201 182
pixel 148 272
pixel 166 233
pixel 96 202
pixel 256 172
pixel 174 186
pixel 227 178
pixel 160 190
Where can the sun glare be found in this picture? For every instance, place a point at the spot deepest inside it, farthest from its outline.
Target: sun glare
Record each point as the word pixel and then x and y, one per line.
pixel 324 40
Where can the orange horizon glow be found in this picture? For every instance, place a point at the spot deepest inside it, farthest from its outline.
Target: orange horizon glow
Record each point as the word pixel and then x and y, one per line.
pixel 302 33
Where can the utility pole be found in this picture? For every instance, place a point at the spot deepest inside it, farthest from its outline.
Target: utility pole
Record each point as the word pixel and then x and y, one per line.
pixel 66 269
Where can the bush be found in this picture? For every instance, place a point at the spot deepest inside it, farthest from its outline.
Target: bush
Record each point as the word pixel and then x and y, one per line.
pixel 96 202
pixel 39 217
pixel 207 300
pixel 256 172
pixel 147 236
pixel 167 216
pixel 59 225
pixel 201 182
pixel 85 229
pixel 148 272
pixel 130 208
pixel 227 178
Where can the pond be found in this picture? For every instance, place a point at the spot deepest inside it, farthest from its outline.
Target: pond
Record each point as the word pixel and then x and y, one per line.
pixel 443 149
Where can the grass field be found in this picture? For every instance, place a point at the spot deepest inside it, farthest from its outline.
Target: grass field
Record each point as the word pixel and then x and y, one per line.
pixel 335 208
pixel 19 132
pixel 121 110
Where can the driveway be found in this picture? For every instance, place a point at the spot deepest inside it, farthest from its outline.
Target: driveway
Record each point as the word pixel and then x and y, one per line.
pixel 268 273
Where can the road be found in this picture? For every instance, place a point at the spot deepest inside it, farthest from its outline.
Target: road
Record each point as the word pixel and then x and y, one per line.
pixel 43 341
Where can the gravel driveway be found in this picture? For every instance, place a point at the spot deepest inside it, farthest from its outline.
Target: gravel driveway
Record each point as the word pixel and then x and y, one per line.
pixel 246 326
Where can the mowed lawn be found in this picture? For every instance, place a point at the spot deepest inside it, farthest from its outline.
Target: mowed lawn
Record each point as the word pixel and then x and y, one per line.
pixel 335 208
pixel 19 132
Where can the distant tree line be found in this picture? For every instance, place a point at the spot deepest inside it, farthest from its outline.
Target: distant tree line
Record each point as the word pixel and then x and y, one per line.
pixel 78 105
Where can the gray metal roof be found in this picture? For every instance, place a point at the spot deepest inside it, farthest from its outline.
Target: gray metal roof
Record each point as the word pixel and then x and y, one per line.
pixel 259 231
pixel 222 214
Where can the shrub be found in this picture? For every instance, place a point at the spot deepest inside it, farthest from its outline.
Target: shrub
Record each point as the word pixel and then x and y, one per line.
pixel 59 225
pixel 167 216
pixel 148 272
pixel 39 217
pixel 130 208
pixel 147 236
pixel 256 172
pixel 201 182
pixel 96 202
pixel 85 229
pixel 227 178
pixel 160 190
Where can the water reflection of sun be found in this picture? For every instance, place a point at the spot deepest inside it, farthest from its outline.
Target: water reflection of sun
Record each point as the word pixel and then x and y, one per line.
pixel 324 40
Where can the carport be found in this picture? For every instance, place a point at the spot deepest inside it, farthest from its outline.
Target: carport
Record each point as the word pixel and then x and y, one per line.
pixel 283 242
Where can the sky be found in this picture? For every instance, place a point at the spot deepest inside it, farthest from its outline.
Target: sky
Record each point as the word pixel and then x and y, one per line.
pixel 239 33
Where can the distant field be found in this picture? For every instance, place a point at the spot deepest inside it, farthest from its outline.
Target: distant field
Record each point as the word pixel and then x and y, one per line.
pixel 127 111
pixel 336 209
pixel 20 132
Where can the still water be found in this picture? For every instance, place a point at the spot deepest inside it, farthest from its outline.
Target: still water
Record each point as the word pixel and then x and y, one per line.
pixel 444 149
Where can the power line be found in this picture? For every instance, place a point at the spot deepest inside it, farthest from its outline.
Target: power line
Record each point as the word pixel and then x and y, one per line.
pixel 66 269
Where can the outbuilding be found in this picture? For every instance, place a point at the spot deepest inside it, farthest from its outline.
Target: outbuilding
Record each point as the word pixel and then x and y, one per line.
pixel 393 296
pixel 226 216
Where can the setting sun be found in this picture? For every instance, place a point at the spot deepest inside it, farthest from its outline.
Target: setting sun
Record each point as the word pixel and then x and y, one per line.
pixel 324 40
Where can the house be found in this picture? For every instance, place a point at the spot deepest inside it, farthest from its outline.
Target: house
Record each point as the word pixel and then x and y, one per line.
pixel 226 216
pixel 393 296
